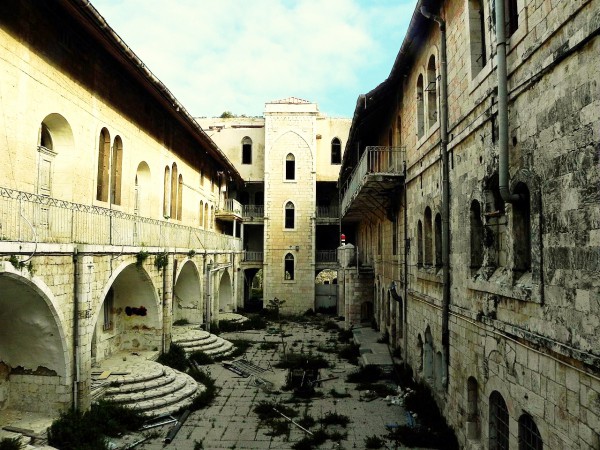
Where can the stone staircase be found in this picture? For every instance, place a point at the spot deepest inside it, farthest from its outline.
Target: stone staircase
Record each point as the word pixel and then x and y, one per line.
pixel 148 387
pixel 192 339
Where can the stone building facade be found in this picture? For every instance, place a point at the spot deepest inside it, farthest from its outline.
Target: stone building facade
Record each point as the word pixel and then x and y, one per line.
pixel 288 207
pixel 503 326
pixel 108 206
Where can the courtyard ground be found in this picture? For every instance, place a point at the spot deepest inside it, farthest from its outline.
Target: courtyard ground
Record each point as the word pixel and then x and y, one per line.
pixel 231 423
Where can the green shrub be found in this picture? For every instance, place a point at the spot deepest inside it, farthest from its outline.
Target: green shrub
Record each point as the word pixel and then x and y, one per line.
pixel 174 358
pixel 302 361
pixel 373 442
pixel 333 418
pixel 240 347
pixel 306 421
pixel 11 444
pixel 330 325
pixel 210 392
pixel 345 336
pixel 365 374
pixel 201 358
pixel 350 353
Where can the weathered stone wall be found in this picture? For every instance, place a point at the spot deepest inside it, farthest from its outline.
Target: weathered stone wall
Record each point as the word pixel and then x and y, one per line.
pixel 529 333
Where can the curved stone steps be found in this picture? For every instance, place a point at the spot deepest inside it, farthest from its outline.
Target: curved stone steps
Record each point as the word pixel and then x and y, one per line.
pixel 173 401
pixel 167 377
pixel 172 383
pixel 193 339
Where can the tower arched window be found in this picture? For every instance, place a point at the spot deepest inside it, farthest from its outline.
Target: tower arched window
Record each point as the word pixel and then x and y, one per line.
pixel 201 214
pixel 437 228
pixel 290 167
pixel 420 244
pixel 289 267
pixel 179 197
pixel 522 230
pixel 432 109
pixel 246 150
pixel 289 215
pixel 336 151
pixel 476 225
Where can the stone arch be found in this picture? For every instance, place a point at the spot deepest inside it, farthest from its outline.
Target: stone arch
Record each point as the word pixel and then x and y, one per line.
pixel 56 149
pixel 187 294
pixel 128 315
pixel 32 345
pixel 473 418
pixel 226 300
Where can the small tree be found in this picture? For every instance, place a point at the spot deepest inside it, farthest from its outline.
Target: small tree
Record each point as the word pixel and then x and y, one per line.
pixel 226 115
pixel 275 305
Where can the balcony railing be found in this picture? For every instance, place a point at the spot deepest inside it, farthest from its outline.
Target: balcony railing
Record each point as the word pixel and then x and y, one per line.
pixel 26 217
pixel 326 256
pixel 328 212
pixel 375 160
pixel 231 207
pixel 252 256
pixel 253 211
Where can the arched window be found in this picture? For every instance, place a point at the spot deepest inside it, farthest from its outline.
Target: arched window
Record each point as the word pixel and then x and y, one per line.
pixel 103 166
pixel 420 349
pixel 438 240
pixel 206 218
pixel 428 237
pixel 476 236
pixel 420 244
pixel 201 215
pixel 166 196
pixel 439 370
pixel 379 239
pixel 432 109
pixel 472 409
pixel 529 435
pixel 498 426
pixel 116 168
pixel 179 197
pixel 428 356
pixel 290 167
pixel 46 138
pixel 420 107
pixel 289 267
pixel 174 180
pixel 496 231
pixel 522 230
pixel 246 150
pixel 336 151
pixel 477 32
pixel 289 215
pixel 211 219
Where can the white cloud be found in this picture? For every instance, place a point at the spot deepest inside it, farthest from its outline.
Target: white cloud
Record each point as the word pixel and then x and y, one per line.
pixel 218 55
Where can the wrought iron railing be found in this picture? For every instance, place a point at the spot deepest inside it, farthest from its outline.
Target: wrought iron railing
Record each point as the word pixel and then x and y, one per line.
pixel 328 212
pixel 253 210
pixel 375 159
pixel 325 256
pixel 253 256
pixel 27 217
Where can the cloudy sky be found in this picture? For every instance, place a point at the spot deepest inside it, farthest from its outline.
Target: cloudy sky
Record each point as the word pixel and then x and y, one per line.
pixel 234 55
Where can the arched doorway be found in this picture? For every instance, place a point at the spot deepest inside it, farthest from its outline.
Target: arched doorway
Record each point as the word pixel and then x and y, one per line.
pixel 226 303
pixel 128 318
pixel 428 356
pixel 366 312
pixel 142 190
pixel 187 296
pixel 253 289
pixel 326 291
pixel 33 350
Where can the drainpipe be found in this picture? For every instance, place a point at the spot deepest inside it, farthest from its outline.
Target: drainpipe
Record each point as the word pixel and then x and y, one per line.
pixel 406 252
pixel 207 301
pixel 75 330
pixel 502 105
pixel 445 189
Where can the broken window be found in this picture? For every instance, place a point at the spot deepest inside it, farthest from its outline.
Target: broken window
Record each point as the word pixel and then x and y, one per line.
pixel 336 151
pixel 529 435
pixel 246 150
pixel 432 110
pixel 438 240
pixel 290 167
pixel 498 426
pixel 289 215
pixel 511 13
pixel 476 229
pixel 428 237
pixel 522 230
pixel 420 108
pixel 289 267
